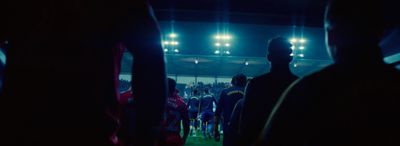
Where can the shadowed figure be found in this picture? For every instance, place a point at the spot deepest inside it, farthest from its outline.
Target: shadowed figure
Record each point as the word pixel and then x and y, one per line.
pixel 62 67
pixel 353 102
pixel 263 91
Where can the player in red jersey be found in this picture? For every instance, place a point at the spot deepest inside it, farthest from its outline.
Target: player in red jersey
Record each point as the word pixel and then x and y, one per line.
pixel 176 111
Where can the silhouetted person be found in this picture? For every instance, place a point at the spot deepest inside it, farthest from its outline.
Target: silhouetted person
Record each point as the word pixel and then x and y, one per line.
pixel 353 102
pixel 226 103
pixel 62 65
pixel 263 91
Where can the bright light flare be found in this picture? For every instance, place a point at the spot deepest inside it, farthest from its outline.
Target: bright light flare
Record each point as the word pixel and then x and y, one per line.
pixel 227 45
pixel 217 52
pixel 173 35
pixel 293 40
pixel 217 44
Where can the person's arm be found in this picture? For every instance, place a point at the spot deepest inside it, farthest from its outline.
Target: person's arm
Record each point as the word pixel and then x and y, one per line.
pixel 246 121
pixel 234 121
pixel 287 124
pixel 217 116
pixel 185 123
pixel 140 33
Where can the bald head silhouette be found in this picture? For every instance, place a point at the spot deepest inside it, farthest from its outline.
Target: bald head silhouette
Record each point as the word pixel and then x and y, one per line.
pixel 279 51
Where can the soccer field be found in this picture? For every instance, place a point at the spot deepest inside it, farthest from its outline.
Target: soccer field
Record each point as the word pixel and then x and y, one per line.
pixel 199 141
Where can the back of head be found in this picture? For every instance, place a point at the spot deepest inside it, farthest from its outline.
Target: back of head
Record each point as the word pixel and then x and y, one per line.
pixel 358 25
pixel 206 91
pixel 171 86
pixel 240 80
pixel 279 50
pixel 195 92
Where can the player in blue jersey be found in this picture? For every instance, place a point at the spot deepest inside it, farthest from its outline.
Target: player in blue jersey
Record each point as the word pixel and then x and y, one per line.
pixel 226 103
pixel 207 114
pixel 194 111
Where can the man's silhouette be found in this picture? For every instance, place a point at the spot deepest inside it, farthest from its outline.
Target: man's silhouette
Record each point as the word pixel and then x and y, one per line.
pixel 62 66
pixel 352 102
pixel 263 91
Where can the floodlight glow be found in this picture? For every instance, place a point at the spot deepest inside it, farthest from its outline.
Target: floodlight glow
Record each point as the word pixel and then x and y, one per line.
pixel 292 54
pixel 227 37
pixel 301 47
pixel 302 40
pixel 176 51
pixel 165 50
pixel 246 63
pixel 174 43
pixel 295 65
pixel 227 44
pixel 301 55
pixel 173 35
pixel 166 42
pixel 216 52
pixel 217 37
pixel 196 61
pixel 227 52
pixel 293 47
pixel 293 40
pixel 217 44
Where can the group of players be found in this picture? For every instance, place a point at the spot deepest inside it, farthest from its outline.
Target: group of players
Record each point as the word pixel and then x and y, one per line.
pixel 199 110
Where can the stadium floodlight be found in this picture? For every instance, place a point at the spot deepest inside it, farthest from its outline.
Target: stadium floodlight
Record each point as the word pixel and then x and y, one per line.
pixel 174 43
pixel 246 63
pixel 216 52
pixel 301 47
pixel 301 55
pixel 217 37
pixel 302 40
pixel 293 40
pixel 227 37
pixel 166 43
pixel 227 44
pixel 196 61
pixel 293 47
pixel 176 51
pixel 217 44
pixel 173 35
pixel 165 50
pixel 292 54
pixel 227 52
